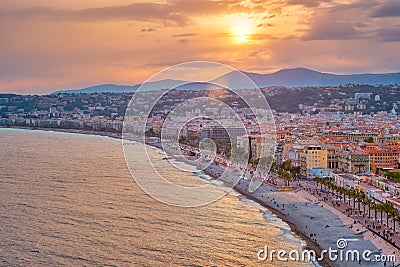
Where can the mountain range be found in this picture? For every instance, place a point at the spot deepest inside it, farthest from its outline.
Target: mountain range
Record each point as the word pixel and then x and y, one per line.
pixel 297 77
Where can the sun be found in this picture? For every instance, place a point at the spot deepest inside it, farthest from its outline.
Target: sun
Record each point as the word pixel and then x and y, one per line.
pixel 240 28
pixel 242 34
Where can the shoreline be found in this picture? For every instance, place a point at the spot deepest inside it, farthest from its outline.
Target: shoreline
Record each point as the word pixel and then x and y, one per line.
pixel 62 130
pixel 295 221
pixel 306 215
pixel 309 244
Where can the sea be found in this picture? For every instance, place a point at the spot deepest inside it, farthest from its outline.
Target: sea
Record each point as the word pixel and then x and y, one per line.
pixel 69 200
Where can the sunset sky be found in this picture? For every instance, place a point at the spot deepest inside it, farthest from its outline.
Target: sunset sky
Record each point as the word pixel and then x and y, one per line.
pixel 47 45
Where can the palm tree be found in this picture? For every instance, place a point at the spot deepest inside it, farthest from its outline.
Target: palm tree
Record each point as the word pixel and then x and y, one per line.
pixel 295 171
pixel 396 218
pixel 353 195
pixel 338 190
pixel 327 187
pixel 318 180
pixel 341 192
pixel 375 207
pixel 331 186
pixel 285 175
pixel 274 167
pixel 369 202
pixel 388 209
pixel 359 199
pixel 346 192
pixel 350 194
pixel 325 182
pixel 365 200
pixel 381 208
pixel 392 214
pixel 334 188
pixel 286 165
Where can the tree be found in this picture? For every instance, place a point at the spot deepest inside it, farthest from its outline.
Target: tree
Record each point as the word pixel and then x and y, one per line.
pixel 396 218
pixel 388 209
pixel 285 175
pixel 375 207
pixel 319 181
pixel 394 176
pixel 359 199
pixel 274 167
pixel 369 202
pixel 351 196
pixel 369 139
pixel 228 150
pixel 345 193
pixel 254 161
pixel 381 209
pixel 286 165
pixel 295 171
pixel 365 201
pixel 341 191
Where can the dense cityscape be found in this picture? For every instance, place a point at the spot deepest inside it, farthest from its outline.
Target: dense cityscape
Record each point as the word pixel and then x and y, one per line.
pixel 351 142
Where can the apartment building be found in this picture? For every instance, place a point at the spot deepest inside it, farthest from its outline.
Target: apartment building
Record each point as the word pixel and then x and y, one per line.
pixel 313 157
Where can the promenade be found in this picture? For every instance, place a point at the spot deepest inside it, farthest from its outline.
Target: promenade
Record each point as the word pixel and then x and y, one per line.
pixel 310 219
pixel 360 219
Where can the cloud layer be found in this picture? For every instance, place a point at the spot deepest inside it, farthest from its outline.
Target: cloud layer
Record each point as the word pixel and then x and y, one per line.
pixel 48 45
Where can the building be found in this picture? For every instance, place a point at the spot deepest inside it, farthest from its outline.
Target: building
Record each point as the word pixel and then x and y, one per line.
pixel 354 161
pixel 360 96
pixel 381 159
pixel 354 136
pixel 333 156
pixel 3 101
pixel 313 157
pixel 261 145
pixel 345 180
pixel 293 150
pixel 223 134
